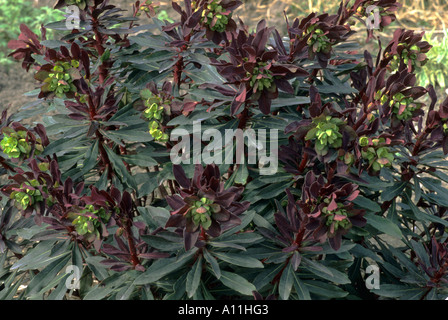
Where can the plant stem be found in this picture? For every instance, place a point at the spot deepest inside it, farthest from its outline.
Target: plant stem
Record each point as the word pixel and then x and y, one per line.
pixel 304 161
pixel 134 257
pixel 244 117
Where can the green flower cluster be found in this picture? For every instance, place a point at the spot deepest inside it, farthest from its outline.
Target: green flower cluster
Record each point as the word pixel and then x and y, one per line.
pixel 376 153
pixel 338 217
pixel 318 40
pixel 407 55
pixel 82 4
pixel 154 113
pixel 14 144
pixel 266 81
pixel 214 18
pixel 87 222
pixel 397 101
pixel 326 134
pixel 347 157
pixel 59 80
pixel 201 211
pixel 156 132
pixel 27 198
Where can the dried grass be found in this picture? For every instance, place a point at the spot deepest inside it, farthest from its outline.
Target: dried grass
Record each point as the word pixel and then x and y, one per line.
pixel 415 14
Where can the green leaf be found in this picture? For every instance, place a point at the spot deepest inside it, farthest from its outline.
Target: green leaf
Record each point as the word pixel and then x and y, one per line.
pixel 61 289
pixel 423 216
pixel 239 260
pixel 301 289
pixel 47 278
pixel 324 289
pixel 267 275
pixel 241 174
pixel 393 191
pixel 194 277
pixel 11 285
pixel 213 263
pixel 286 282
pixel 234 240
pixel 268 192
pixel 161 243
pixel 120 168
pixel 130 134
pixel 106 287
pixel 237 283
pixel 221 244
pixel 401 292
pixel 289 101
pixel 420 251
pixel 39 257
pixel 62 144
pixel 140 160
pixel 316 267
pixel 126 292
pixel 98 269
pixel 154 216
pixel 77 257
pixel 163 267
pixel 384 225
pixel 148 187
pixel 89 162
pixel 367 204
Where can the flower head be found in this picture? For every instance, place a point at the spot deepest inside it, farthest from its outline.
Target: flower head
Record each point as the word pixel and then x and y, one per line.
pixel 89 221
pixel 157 106
pixel 326 133
pixel 330 208
pixel 321 33
pixel 255 70
pixel 203 204
pixel 217 18
pixel 405 51
pixel 19 143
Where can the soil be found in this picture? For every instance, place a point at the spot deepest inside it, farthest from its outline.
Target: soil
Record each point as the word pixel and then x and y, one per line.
pixel 14 82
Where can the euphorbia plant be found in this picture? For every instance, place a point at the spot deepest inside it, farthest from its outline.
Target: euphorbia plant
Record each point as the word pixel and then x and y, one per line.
pixel 203 207
pixel 97 185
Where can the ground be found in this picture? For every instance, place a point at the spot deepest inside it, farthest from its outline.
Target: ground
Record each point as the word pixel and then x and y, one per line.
pixel 14 81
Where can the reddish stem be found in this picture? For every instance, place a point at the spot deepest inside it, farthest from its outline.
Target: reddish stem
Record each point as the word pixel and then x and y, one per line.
pixel 420 139
pixel 178 69
pixel 244 117
pixel 134 257
pixel 103 70
pixel 298 241
pixel 203 234
pixel 304 161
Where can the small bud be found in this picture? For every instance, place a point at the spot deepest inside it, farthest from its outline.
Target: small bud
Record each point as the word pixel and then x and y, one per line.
pixel 119 232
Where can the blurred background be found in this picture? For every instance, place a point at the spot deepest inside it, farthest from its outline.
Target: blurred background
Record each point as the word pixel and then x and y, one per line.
pixel 418 15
